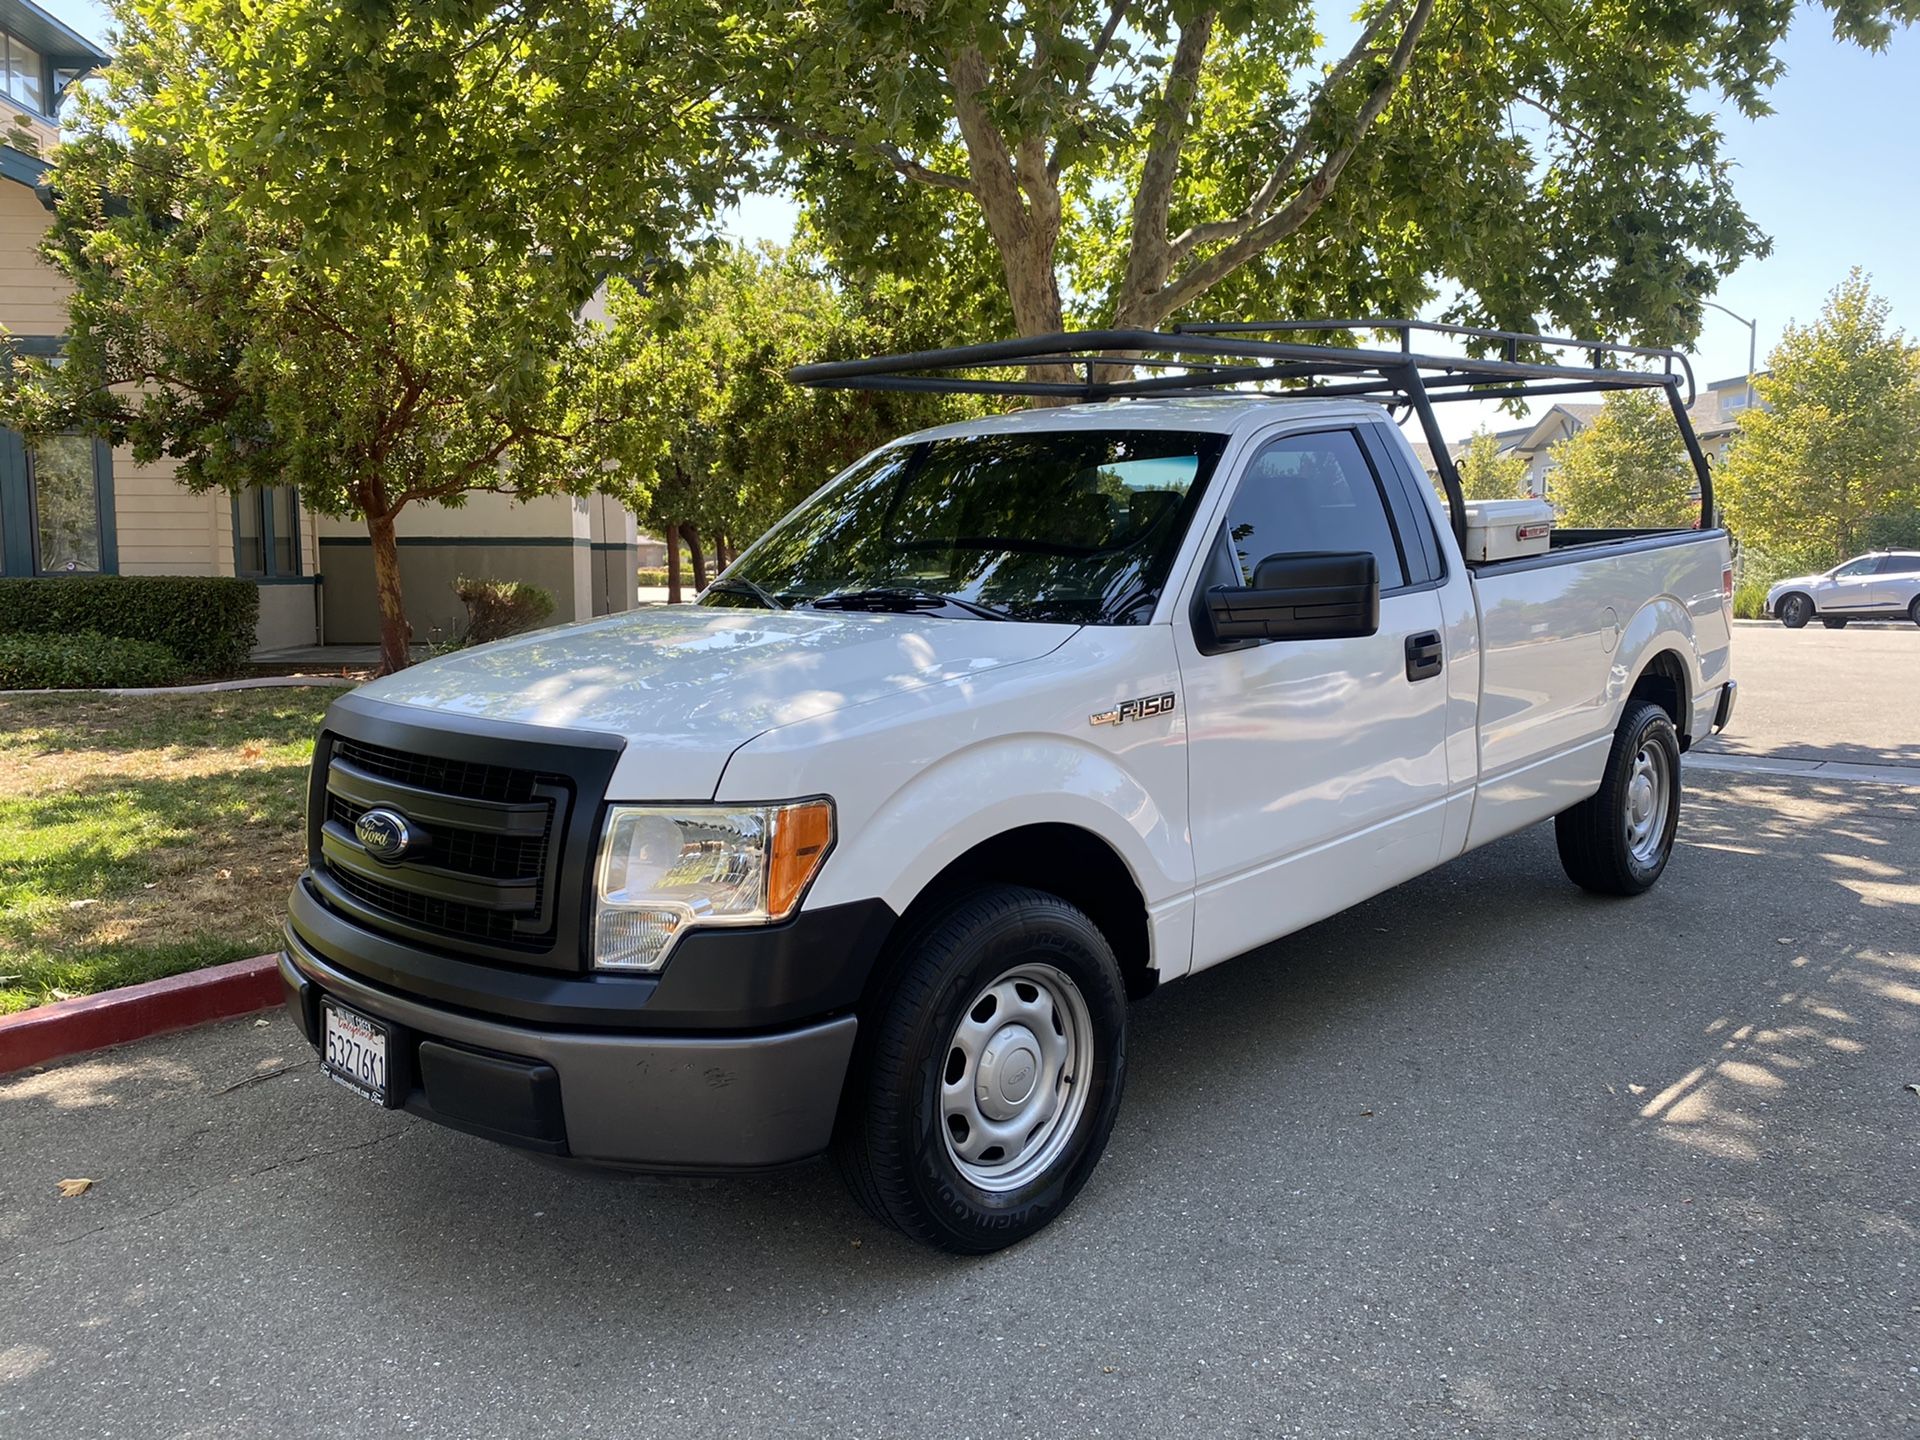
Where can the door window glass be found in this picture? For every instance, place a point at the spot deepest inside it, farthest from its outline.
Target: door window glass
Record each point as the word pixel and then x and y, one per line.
pixel 1900 565
pixel 1854 569
pixel 1307 494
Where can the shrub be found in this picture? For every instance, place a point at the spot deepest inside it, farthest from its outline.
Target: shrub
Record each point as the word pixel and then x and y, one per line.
pixel 499 608
pixel 87 660
pixel 206 621
pixel 1750 600
pixel 653 578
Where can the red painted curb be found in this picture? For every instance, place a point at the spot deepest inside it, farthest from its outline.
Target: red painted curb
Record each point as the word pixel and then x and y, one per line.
pixel 93 1022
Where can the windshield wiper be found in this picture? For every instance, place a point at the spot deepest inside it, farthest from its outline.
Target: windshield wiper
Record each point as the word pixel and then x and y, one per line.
pixel 736 585
pixel 903 597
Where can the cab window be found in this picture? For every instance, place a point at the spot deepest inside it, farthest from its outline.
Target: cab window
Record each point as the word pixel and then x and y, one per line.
pixel 1307 494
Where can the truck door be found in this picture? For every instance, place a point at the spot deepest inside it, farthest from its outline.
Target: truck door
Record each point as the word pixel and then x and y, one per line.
pixel 1317 768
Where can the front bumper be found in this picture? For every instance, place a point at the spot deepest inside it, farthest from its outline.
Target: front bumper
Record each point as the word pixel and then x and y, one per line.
pixel 671 1102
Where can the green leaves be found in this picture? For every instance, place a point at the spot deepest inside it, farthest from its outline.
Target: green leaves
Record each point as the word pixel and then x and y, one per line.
pixel 1540 162
pixel 1812 479
pixel 1628 468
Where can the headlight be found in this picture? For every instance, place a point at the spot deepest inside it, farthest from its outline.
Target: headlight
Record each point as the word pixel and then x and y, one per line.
pixel 664 870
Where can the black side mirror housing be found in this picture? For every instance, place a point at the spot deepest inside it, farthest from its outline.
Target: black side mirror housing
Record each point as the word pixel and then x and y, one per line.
pixel 1300 597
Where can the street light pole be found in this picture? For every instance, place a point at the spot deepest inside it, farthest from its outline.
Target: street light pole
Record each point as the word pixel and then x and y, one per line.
pixel 1753 343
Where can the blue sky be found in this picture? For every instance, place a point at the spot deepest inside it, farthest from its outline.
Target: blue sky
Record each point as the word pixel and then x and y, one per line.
pixel 1829 176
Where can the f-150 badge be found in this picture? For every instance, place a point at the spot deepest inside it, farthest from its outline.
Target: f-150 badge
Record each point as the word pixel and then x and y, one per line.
pixel 1141 709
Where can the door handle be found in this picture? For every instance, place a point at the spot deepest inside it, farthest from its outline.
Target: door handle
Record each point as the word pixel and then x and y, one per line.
pixel 1424 655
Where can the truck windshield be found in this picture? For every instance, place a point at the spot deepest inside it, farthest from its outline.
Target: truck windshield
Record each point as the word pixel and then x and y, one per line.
pixel 1071 526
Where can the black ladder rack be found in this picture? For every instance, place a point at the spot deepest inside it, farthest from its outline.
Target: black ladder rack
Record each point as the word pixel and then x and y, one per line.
pixel 1230 357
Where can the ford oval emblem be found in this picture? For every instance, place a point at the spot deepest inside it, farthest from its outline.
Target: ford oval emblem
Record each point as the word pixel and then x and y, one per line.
pixel 383 833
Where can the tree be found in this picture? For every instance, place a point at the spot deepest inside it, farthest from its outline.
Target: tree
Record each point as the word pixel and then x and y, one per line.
pixel 347 248
pixel 1124 159
pixel 1628 468
pixel 1486 473
pixel 1833 463
pixel 744 444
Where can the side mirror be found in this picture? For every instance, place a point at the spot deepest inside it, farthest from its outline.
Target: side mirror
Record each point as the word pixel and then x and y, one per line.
pixel 1300 597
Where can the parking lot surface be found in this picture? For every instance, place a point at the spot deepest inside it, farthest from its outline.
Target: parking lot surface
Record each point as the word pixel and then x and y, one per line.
pixel 1485 1156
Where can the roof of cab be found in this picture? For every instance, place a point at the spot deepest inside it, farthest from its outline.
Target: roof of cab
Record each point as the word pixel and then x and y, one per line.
pixel 1220 414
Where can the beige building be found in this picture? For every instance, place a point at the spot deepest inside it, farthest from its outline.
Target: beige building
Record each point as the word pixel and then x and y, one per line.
pixel 73 506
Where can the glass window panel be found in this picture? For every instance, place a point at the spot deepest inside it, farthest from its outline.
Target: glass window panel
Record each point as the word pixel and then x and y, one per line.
pixel 23 73
pixel 286 556
pixel 249 534
pixel 66 504
pixel 1308 494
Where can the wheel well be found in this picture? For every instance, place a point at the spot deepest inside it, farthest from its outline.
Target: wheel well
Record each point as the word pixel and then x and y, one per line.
pixel 1074 864
pixel 1664 682
pixel 1781 604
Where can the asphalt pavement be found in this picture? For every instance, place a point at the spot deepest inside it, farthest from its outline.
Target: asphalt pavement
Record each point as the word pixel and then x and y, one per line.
pixel 1482 1157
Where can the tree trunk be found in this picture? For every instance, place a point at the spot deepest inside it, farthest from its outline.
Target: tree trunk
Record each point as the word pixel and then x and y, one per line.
pixel 698 556
pixel 673 563
pixel 722 551
pixel 396 635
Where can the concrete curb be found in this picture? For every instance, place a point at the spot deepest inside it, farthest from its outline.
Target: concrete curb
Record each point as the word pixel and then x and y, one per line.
pixel 113 1017
pixel 259 682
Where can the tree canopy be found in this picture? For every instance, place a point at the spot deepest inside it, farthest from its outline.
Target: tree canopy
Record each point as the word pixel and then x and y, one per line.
pixel 741 444
pixel 346 247
pixel 1629 467
pixel 1832 464
pixel 1487 473
pixel 1125 160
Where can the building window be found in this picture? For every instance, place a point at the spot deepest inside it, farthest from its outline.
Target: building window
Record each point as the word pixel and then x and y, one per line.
pixel 24 80
pixel 63 480
pixel 266 532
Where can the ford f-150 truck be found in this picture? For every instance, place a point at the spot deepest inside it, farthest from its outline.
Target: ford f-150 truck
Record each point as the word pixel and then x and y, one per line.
pixel 1010 723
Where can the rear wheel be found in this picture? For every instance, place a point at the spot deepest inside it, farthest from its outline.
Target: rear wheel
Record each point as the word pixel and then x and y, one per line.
pixel 1795 611
pixel 1618 841
pixel 1913 610
pixel 1834 624
pixel 989 1073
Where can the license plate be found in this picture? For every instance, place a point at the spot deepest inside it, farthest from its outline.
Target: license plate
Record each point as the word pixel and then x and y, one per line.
pixel 354 1051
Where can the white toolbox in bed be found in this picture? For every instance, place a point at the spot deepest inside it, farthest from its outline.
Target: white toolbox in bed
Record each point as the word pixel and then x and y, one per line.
pixel 1507 529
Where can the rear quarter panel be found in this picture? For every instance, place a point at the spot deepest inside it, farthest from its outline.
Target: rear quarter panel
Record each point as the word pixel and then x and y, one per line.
pixel 1562 646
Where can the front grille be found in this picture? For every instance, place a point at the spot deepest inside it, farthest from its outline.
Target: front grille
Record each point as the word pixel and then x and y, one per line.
pixel 485 859
pixel 450 777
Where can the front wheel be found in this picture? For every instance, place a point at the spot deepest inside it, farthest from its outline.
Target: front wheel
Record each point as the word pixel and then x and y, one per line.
pixel 1795 611
pixel 1618 841
pixel 1913 610
pixel 989 1073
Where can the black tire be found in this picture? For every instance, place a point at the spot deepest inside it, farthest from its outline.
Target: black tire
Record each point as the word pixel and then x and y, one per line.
pixel 1795 611
pixel 1834 624
pixel 891 1141
pixel 1593 836
pixel 1913 610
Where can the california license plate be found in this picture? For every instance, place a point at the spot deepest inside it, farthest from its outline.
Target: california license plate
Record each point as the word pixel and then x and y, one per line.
pixel 354 1051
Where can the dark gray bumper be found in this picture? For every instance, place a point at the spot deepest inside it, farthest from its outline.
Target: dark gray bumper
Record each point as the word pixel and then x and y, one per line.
pixel 673 1102
pixel 1723 712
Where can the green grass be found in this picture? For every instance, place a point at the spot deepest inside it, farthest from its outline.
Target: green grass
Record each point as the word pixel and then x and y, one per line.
pixel 141 838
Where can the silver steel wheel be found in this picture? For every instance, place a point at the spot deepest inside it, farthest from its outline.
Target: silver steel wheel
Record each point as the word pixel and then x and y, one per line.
pixel 1013 1085
pixel 1649 798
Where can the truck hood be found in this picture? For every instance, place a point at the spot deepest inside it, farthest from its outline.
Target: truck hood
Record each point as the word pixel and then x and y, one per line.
pixel 685 686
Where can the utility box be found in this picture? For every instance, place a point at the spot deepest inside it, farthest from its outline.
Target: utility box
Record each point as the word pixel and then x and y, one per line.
pixel 1507 529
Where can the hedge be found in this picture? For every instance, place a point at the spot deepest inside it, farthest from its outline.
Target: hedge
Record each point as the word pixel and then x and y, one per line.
pixel 84 661
pixel 499 608
pixel 207 621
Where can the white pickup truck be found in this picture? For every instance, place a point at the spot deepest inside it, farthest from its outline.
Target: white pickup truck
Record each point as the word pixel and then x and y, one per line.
pixel 1007 725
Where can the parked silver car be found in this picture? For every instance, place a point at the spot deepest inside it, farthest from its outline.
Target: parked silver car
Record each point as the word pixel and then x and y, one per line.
pixel 1882 586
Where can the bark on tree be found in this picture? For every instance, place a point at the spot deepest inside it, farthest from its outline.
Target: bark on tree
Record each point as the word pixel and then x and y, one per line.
pixel 673 563
pixel 396 635
pixel 698 556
